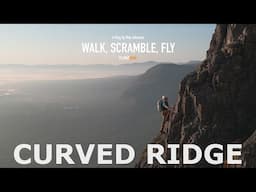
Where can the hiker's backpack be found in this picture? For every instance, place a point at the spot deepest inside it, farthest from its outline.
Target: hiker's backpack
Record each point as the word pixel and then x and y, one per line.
pixel 159 105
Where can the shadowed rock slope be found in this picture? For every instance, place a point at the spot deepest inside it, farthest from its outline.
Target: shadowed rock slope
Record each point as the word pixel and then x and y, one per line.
pixel 216 103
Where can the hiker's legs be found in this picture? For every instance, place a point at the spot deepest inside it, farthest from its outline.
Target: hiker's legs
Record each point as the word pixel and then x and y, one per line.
pixel 164 119
pixel 168 112
pixel 162 123
pixel 167 119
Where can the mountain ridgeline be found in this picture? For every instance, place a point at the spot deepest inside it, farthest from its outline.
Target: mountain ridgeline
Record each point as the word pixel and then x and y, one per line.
pixel 162 79
pixel 216 103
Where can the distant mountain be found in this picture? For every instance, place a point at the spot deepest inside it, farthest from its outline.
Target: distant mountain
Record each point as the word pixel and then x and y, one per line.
pixel 71 71
pixel 147 64
pixel 162 79
pixel 192 62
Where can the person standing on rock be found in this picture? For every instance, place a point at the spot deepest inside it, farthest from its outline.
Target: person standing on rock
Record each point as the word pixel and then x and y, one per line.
pixel 163 107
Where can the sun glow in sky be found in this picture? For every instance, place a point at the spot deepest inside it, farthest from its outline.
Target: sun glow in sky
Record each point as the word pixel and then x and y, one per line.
pixel 61 43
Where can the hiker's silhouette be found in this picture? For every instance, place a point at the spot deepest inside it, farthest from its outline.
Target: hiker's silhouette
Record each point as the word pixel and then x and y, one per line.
pixel 163 107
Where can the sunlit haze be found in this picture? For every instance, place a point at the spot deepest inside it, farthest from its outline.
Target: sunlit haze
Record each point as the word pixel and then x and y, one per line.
pixel 61 43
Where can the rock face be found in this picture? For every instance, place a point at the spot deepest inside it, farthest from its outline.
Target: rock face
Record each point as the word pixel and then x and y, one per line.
pixel 217 102
pixel 249 152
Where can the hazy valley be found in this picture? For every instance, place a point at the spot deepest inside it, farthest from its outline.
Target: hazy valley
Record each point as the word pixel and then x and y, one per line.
pixel 119 109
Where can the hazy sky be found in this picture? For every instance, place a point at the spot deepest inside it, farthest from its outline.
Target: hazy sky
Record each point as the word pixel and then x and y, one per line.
pixel 61 43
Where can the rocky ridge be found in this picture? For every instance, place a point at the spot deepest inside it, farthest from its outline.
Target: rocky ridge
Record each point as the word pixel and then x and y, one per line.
pixel 216 103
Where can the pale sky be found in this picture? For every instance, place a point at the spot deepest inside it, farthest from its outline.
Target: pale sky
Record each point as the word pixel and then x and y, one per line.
pixel 61 43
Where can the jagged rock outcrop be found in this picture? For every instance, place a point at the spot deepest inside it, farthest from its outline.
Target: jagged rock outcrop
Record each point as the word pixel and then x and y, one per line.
pixel 160 139
pixel 217 102
pixel 249 152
